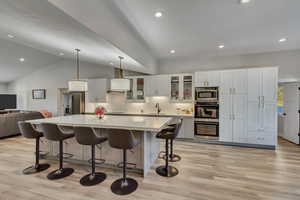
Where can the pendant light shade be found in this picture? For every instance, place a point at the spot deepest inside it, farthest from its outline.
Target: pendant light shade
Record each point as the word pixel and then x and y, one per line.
pixel 78 85
pixel 120 84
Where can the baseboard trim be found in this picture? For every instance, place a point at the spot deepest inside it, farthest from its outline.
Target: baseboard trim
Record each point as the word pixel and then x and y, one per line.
pixel 205 141
pixel 10 136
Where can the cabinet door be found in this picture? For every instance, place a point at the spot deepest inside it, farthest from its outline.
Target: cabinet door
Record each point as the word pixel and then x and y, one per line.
pixel 254 116
pixel 187 88
pixel 162 86
pixel 150 86
pixel 213 79
pixel 201 79
pixel 225 126
pixel 226 82
pixel 175 88
pixel 239 81
pixel 130 92
pixel 269 84
pixel 254 84
pixel 140 89
pixel 239 104
pixel 269 117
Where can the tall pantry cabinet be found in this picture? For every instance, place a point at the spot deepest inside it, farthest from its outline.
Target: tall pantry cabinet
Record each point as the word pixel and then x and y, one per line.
pixel 248 106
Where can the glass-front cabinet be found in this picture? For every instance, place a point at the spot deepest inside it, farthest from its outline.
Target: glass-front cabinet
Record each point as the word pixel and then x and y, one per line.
pixel 181 88
pixel 137 89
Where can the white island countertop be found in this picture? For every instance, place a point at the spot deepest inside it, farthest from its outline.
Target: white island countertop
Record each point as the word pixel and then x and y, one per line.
pixel 153 114
pixel 138 123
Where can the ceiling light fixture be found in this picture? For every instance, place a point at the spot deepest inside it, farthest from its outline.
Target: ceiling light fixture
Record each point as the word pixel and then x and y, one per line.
pixel 22 59
pixel 78 85
pixel 10 36
pixel 172 51
pixel 61 54
pixel 244 1
pixel 282 40
pixel 221 46
pixel 120 84
pixel 158 14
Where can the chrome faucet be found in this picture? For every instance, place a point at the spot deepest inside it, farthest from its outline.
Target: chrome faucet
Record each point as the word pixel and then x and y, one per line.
pixel 158 108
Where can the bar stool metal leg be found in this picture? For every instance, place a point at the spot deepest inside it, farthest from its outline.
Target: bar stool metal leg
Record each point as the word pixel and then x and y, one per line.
pixel 93 178
pixel 61 172
pixel 37 167
pixel 172 157
pixel 167 170
pixel 124 185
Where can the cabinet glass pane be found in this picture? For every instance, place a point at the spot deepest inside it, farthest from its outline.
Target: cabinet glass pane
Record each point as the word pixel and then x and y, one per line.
pixel 140 88
pixel 174 87
pixel 129 93
pixel 187 88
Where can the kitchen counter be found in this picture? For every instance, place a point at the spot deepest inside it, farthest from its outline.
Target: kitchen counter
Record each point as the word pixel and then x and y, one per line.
pixel 163 114
pixel 144 128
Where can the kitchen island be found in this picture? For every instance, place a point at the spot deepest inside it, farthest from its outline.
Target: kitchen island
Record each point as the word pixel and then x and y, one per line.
pixel 141 158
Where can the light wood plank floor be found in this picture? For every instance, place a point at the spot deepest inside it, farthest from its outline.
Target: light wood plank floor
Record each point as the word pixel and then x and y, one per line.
pixel 206 172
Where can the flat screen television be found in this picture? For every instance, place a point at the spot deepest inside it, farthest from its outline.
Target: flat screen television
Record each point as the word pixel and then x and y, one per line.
pixel 8 101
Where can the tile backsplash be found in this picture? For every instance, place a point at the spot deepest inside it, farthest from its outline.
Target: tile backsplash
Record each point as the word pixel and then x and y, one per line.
pixel 116 102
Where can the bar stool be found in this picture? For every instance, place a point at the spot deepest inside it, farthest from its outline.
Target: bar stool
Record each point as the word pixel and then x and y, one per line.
pixel 173 157
pixel 167 170
pixel 28 132
pixel 53 133
pixel 123 139
pixel 86 136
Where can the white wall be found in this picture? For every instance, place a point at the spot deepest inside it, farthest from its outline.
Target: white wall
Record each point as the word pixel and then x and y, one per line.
pixel 3 88
pixel 51 78
pixel 289 62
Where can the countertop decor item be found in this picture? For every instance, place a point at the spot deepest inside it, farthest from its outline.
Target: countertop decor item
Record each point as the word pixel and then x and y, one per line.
pixel 99 111
pixel 78 85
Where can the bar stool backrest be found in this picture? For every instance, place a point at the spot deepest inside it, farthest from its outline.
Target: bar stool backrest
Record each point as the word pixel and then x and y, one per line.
pixel 27 130
pixel 177 128
pixel 85 135
pixel 51 132
pixel 121 139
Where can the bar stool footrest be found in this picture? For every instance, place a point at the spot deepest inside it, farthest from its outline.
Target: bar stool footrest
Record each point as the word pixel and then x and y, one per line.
pixel 128 165
pixel 97 161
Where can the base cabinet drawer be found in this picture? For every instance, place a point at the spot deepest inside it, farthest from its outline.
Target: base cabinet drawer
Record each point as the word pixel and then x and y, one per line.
pixel 262 139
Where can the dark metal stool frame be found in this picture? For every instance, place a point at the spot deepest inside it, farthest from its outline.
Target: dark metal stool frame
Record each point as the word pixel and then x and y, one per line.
pixel 52 132
pixel 29 132
pixel 168 134
pixel 123 139
pixel 87 136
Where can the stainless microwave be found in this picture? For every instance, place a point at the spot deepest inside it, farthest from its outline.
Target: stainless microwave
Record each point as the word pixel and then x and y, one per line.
pixel 206 94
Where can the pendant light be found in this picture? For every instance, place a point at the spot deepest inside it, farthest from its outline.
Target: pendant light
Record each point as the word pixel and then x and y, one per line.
pixel 120 84
pixel 78 85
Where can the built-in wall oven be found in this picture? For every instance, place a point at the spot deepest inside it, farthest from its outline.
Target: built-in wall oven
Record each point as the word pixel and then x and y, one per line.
pixel 206 112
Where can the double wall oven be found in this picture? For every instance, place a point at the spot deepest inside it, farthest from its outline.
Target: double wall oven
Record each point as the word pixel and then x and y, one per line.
pixel 207 111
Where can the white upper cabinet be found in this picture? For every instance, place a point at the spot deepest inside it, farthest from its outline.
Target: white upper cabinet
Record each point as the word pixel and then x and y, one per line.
pixel 97 90
pixel 157 85
pixel 181 88
pixel 137 89
pixel 207 79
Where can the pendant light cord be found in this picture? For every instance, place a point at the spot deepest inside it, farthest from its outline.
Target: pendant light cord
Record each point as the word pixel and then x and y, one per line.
pixel 77 59
pixel 121 70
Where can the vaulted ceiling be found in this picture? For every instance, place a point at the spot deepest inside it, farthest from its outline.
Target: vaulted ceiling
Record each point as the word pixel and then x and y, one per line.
pixel 104 29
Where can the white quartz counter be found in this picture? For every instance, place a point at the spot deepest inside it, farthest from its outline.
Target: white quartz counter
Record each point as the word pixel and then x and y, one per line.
pixel 139 123
pixel 163 114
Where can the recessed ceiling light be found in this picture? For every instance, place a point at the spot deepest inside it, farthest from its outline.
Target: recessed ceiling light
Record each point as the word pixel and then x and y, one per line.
pixel 10 36
pixel 172 51
pixel 158 14
pixel 282 40
pixel 61 54
pixel 245 1
pixel 221 46
pixel 22 59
